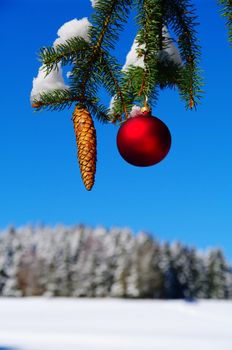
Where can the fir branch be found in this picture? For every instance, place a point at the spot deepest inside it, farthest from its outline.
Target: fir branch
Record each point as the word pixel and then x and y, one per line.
pixel 97 68
pixel 72 50
pixel 97 109
pixel 169 74
pixel 180 14
pixel 93 65
pixel 78 75
pixel 107 21
pixel 54 100
pixel 226 12
pixel 130 86
pixel 57 100
pixel 111 79
pixel 183 85
pixel 150 19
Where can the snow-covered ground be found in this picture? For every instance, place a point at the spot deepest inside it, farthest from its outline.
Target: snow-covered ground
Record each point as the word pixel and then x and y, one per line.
pixel 83 324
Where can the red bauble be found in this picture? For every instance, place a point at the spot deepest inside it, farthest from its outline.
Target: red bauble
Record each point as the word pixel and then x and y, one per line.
pixel 143 140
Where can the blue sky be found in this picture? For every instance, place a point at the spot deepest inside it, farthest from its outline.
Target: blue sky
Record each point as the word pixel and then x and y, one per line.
pixel 186 197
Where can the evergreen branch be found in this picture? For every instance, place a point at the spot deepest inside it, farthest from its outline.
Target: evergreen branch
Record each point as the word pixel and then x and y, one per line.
pixel 93 65
pixel 54 100
pixel 79 74
pixel 72 50
pixel 97 109
pixel 130 86
pixel 87 72
pixel 108 19
pixel 104 72
pixel 169 74
pixel 150 19
pixel 60 99
pixel 181 16
pixel 183 85
pixel 110 77
pixel 226 12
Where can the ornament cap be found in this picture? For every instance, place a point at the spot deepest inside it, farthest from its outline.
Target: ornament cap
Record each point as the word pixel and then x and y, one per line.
pixel 146 111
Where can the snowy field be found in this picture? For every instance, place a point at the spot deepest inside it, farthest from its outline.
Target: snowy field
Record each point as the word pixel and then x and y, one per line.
pixel 83 324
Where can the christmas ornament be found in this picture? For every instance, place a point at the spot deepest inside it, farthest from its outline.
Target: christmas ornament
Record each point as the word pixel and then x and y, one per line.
pixel 143 140
pixel 86 144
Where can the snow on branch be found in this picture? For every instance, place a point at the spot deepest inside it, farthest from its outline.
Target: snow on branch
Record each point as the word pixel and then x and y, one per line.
pixel 169 53
pixel 132 58
pixel 94 2
pixel 54 80
pixel 43 83
pixel 72 29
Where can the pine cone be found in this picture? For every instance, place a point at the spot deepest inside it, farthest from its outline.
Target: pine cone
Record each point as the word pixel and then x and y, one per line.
pixel 86 144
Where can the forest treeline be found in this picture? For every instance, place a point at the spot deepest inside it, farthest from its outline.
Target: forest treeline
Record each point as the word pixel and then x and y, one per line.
pixel 95 262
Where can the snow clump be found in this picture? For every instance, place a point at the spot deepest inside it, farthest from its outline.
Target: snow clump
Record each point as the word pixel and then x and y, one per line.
pixel 54 80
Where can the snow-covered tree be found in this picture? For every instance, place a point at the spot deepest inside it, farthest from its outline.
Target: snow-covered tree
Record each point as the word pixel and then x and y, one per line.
pixel 121 262
pixel 11 250
pixel 85 262
pixel 217 275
